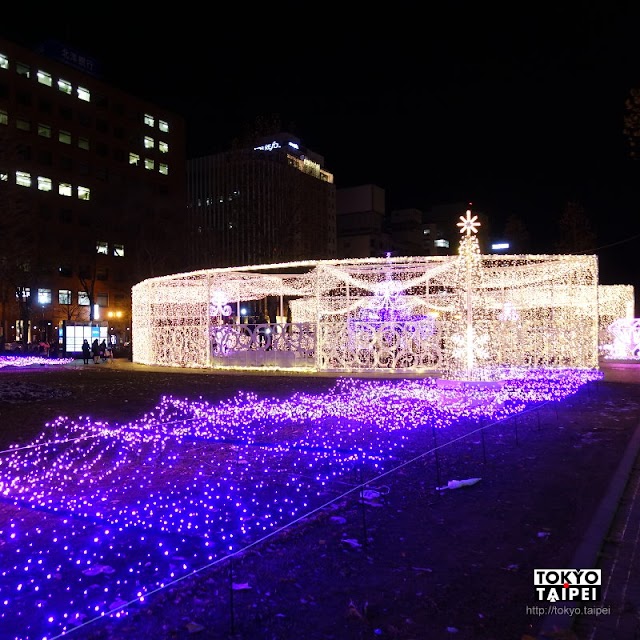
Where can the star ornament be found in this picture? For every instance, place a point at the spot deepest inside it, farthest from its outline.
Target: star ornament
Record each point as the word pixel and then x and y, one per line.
pixel 468 224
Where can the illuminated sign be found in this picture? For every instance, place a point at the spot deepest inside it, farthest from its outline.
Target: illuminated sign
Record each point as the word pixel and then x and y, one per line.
pixel 268 147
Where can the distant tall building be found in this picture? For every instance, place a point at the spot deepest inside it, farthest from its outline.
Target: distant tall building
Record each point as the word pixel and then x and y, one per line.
pixel 361 216
pixel 269 203
pixel 92 193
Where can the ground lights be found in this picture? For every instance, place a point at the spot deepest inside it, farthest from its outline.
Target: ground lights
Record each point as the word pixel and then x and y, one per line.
pixel 101 516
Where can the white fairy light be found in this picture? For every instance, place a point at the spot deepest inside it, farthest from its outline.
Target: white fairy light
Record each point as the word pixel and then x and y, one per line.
pixel 385 314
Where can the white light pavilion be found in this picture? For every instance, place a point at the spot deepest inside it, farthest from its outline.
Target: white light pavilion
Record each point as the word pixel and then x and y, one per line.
pixel 451 316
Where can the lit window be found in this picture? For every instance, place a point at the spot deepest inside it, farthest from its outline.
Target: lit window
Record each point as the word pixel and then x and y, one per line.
pixel 148 164
pixel 84 94
pixel 23 178
pixel 102 247
pixel 163 168
pixel 64 136
pixel 118 250
pixel 4 177
pixel 44 296
pixel 64 189
pixel 102 299
pixel 64 296
pixel 44 130
pixel 23 70
pixel 149 143
pixel 83 143
pixel 23 125
pixel 149 120
pixel 24 293
pixel 83 299
pixel 44 78
pixel 134 158
pixel 163 126
pixel 441 243
pixel 64 86
pixel 84 193
pixel 44 184
pixel 4 61
pixel 164 147
pixel 4 117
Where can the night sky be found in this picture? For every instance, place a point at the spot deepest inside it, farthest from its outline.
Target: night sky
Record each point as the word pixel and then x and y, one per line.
pixel 516 110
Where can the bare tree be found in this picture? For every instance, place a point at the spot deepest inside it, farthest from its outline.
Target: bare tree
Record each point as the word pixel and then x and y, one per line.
pixel 575 234
pixel 18 241
pixel 517 234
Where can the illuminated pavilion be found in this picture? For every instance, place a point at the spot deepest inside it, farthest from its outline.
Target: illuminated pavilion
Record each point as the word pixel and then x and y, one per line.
pixel 466 316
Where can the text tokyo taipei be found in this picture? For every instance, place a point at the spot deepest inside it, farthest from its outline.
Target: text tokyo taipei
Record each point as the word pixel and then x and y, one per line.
pixel 581 585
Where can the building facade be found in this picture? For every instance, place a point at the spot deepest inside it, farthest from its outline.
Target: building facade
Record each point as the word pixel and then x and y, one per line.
pixel 92 194
pixel 270 202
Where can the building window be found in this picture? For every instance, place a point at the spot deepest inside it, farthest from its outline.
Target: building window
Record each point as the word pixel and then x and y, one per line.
pixel 65 270
pixel 163 126
pixel 64 86
pixel 64 137
pixel 163 168
pixel 102 126
pixel 64 189
pixel 83 143
pixel 64 296
pixel 44 296
pixel 102 247
pixel 23 178
pixel 149 164
pixel 84 193
pixel 84 94
pixel 4 176
pixel 45 106
pixel 23 69
pixel 163 147
pixel 102 273
pixel 24 98
pixel 4 61
pixel 134 158
pixel 149 142
pixel 24 293
pixel 102 299
pixel 44 184
pixel 149 120
pixel 118 250
pixel 44 78
pixel 83 299
pixel 4 117
pixel 44 130
pixel 23 125
pixel 45 157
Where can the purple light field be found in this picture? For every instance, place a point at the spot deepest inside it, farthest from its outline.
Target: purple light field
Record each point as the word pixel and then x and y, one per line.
pixel 98 517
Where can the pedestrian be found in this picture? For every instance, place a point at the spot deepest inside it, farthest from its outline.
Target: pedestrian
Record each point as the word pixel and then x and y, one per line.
pixel 103 351
pixel 95 350
pixel 86 351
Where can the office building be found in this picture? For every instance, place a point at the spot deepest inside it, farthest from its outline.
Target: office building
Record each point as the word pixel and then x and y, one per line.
pixel 267 202
pixel 361 222
pixel 92 193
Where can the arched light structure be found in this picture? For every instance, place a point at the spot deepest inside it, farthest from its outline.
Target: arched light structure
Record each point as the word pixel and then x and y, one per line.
pixel 451 315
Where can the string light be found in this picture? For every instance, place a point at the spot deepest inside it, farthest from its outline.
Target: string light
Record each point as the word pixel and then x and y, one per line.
pixel 469 315
pixel 98 517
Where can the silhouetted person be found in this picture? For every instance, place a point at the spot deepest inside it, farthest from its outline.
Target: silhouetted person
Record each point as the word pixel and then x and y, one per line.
pixel 86 351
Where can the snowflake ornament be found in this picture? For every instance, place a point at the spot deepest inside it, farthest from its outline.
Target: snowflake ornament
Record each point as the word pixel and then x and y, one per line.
pixel 468 224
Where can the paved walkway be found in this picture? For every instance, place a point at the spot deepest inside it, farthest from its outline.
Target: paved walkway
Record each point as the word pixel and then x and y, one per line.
pixel 611 543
